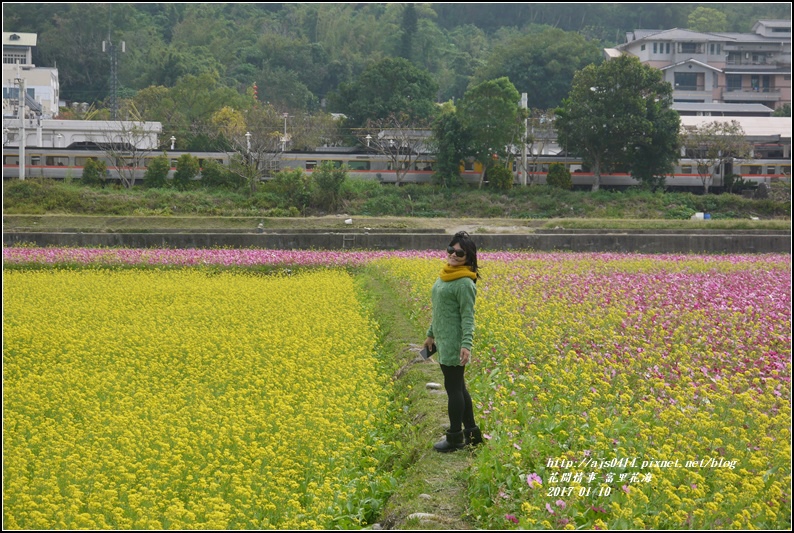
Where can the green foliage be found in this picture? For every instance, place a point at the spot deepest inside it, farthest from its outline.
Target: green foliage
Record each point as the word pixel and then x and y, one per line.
pixel 328 183
pixel 783 111
pixel 451 143
pixel 541 63
pixel 389 87
pixel 213 174
pixel 157 172
pixel 294 185
pixel 489 111
pixel 371 198
pixel 619 114
pixel 500 177
pixel 707 19
pixel 94 173
pixel 187 168
pixel 559 177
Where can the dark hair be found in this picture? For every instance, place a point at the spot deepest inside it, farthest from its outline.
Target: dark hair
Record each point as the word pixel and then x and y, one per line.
pixel 468 246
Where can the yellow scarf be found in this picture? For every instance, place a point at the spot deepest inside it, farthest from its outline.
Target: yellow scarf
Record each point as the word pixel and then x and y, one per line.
pixel 449 273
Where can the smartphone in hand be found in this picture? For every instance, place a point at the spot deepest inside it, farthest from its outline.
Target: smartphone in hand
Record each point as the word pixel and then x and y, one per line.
pixel 425 353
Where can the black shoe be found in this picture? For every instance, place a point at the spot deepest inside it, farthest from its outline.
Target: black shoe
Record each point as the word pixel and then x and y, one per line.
pixel 472 436
pixel 452 442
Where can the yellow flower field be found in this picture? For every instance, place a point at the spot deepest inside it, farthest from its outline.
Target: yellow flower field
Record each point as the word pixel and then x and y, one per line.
pixel 185 400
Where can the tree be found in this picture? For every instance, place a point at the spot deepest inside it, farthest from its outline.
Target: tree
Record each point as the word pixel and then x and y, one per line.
pixel 707 19
pixel 489 111
pixel 451 142
pixel 94 173
pixel 500 177
pixel 392 86
pixel 541 64
pixel 410 23
pixel 399 138
pixel 187 168
pixel 783 111
pixel 615 113
pixel 157 172
pixel 252 140
pixel 127 144
pixel 655 158
pixel 714 144
pixel 559 177
pixel 328 182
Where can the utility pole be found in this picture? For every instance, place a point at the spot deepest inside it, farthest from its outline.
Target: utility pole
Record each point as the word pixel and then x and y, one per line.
pixel 523 176
pixel 22 96
pixel 109 47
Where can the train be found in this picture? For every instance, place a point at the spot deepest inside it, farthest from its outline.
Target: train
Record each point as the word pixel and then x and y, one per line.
pixel 65 163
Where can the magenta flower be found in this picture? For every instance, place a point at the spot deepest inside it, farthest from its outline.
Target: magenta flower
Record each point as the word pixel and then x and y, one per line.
pixel 549 509
pixel 534 479
pixel 512 518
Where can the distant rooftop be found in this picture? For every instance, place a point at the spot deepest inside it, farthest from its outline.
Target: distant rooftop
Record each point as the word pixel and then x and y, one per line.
pixel 19 39
pixel 727 109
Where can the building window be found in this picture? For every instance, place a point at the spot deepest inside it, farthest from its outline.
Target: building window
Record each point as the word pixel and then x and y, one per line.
pixel 690 48
pixel 686 81
pixel 654 48
pixel 714 49
pixel 642 48
pixel 733 82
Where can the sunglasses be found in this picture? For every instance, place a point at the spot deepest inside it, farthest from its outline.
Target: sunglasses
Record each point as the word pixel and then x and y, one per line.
pixel 459 253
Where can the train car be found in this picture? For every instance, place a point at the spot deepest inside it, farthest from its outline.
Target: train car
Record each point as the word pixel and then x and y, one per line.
pixel 59 163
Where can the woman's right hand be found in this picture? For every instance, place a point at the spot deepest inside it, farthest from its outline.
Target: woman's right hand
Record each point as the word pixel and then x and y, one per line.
pixel 429 342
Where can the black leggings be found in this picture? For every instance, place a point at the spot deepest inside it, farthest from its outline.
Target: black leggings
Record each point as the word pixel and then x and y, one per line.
pixel 458 399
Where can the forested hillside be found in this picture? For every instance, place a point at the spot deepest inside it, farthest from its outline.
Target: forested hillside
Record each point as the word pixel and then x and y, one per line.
pixel 300 54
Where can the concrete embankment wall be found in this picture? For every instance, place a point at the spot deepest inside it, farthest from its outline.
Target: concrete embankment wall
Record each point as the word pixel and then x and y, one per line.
pixel 575 241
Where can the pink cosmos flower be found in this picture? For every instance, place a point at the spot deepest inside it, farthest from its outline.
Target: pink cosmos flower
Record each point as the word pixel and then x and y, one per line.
pixel 512 518
pixel 534 479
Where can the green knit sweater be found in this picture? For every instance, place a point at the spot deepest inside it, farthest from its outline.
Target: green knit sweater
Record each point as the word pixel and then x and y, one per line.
pixel 453 318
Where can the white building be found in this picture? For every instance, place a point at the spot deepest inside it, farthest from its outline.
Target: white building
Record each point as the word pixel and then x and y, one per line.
pixel 43 133
pixel 41 84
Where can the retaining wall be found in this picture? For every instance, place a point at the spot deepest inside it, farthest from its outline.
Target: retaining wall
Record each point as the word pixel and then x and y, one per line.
pixel 641 242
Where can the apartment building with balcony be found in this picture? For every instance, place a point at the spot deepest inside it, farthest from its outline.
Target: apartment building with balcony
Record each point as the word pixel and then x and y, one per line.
pixel 713 68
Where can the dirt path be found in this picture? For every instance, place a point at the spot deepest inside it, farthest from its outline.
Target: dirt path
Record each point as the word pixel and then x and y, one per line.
pixel 432 494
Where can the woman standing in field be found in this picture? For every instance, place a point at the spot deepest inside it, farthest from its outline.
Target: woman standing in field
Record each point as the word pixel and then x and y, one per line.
pixel 452 331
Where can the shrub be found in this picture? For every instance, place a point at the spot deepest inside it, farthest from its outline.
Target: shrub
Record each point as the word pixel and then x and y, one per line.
pixel 559 177
pixel 294 186
pixel 157 172
pixel 213 174
pixel 500 177
pixel 187 168
pixel 94 173
pixel 328 182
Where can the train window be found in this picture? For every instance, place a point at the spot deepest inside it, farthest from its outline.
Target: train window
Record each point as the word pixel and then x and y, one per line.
pixel 755 169
pixel 57 161
pixel 686 169
pixel 270 167
pixel 310 165
pixel 35 160
pixel 80 161
pixel 11 160
pixel 771 169
pixel 358 165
